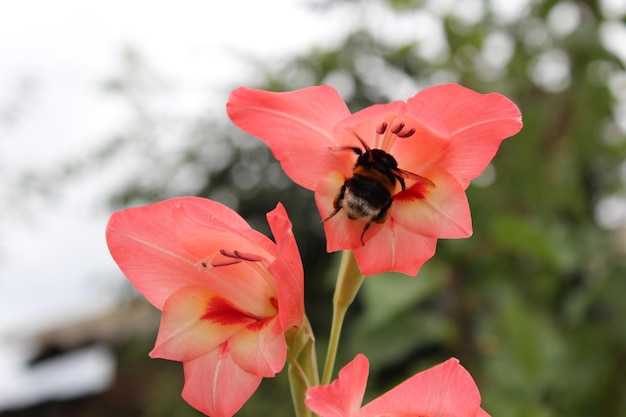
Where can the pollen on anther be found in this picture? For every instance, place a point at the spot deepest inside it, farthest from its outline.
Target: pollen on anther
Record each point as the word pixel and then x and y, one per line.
pixel 381 128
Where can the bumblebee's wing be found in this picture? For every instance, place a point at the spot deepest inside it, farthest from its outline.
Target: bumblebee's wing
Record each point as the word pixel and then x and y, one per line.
pixel 400 173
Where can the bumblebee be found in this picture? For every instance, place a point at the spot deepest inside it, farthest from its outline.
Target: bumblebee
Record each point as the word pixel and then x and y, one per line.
pixel 368 194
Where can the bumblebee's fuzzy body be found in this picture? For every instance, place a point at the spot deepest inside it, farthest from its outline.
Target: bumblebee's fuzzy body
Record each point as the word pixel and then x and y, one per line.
pixel 368 194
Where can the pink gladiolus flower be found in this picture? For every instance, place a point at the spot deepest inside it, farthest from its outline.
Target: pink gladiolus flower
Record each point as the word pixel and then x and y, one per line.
pixel 415 160
pixel 227 293
pixel 443 390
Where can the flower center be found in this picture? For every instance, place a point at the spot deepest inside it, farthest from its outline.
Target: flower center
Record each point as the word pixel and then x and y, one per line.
pixel 256 262
pixel 219 262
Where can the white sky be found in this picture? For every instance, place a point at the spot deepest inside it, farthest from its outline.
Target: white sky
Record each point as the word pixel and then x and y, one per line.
pixel 54 265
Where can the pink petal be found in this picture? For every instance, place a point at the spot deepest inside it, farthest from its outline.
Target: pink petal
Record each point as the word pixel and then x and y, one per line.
pixel 394 248
pixel 478 123
pixel 420 152
pixel 343 397
pixel 296 125
pixel 186 332
pixel 159 246
pixel 259 348
pixel 443 390
pixel 216 386
pixel 441 211
pixel 287 270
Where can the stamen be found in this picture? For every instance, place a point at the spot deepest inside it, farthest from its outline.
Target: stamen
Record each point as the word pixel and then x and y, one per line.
pixel 228 254
pixel 254 261
pixel 242 256
pixel 215 261
pixel 381 128
pixel 258 264
pixel 397 128
pixel 225 262
pixel 228 258
pixel 206 263
pixel 406 134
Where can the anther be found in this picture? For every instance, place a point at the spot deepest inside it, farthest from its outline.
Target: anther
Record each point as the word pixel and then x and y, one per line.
pixel 397 128
pixel 211 263
pixel 381 128
pixel 241 255
pixel 406 134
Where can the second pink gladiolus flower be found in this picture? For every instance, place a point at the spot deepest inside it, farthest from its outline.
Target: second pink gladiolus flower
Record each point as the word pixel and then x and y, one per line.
pixel 389 180
pixel 228 293
pixel 443 390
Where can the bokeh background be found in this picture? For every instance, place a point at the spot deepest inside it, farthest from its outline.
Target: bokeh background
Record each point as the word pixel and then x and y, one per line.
pixel 110 105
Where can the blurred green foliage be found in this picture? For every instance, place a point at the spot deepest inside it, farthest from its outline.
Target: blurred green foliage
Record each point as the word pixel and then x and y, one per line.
pixel 533 303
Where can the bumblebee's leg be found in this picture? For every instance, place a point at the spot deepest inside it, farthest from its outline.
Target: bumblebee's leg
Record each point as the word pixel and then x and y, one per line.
pixel 337 203
pixel 367 226
pixel 335 211
pixel 380 218
pixel 402 183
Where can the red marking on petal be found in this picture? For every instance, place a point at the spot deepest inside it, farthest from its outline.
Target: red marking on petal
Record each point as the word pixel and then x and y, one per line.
pixel 223 350
pixel 258 325
pixel 221 311
pixel 415 192
pixel 274 303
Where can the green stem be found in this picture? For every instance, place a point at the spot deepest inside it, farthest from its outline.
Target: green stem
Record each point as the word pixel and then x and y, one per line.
pixel 349 280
